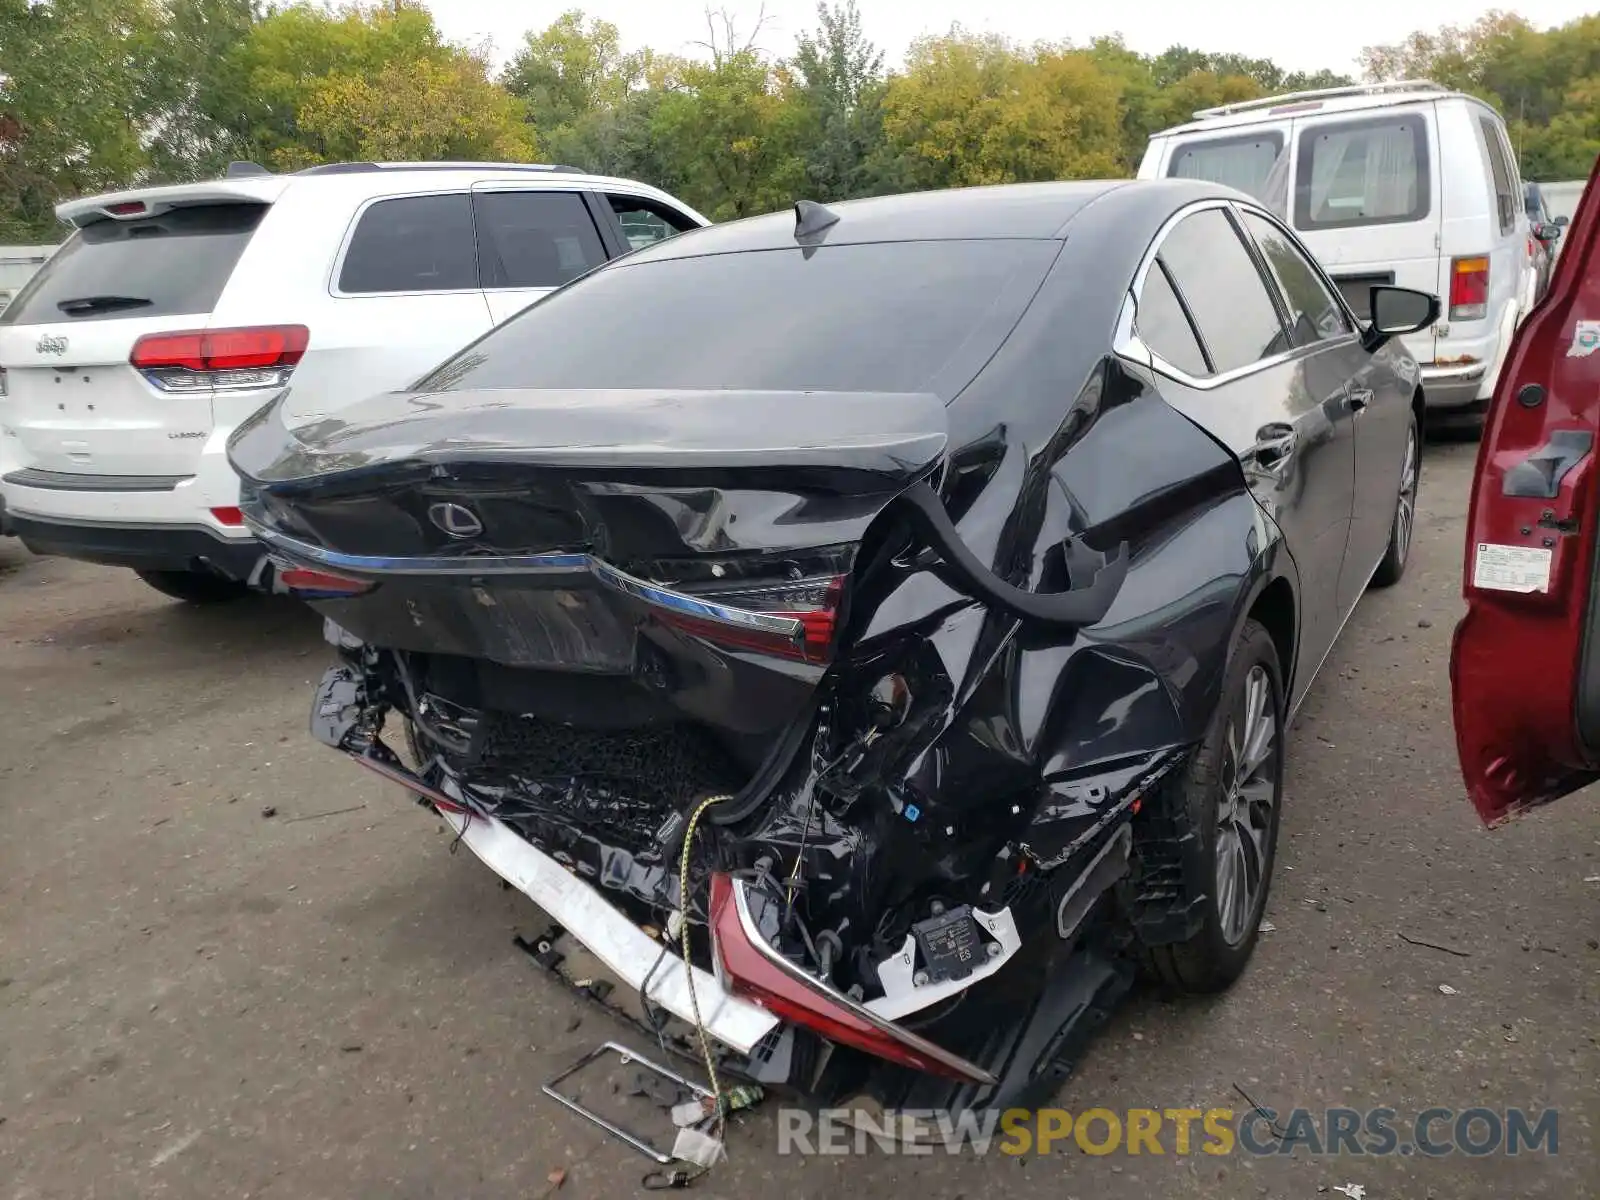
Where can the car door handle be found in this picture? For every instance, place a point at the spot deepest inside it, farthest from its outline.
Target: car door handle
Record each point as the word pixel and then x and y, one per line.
pixel 1356 399
pixel 1274 444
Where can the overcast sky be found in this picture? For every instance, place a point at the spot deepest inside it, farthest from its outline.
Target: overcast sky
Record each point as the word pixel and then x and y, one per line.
pixel 1289 34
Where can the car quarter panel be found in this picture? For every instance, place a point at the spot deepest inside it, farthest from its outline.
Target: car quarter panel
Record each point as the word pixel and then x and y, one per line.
pixel 1062 455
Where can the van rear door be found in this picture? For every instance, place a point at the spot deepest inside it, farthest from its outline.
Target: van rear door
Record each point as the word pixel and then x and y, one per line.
pixel 1366 201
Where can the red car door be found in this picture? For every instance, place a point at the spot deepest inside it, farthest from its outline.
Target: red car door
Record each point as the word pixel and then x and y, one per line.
pixel 1525 663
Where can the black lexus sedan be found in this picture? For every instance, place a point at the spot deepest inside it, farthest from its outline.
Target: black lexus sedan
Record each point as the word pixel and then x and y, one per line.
pixel 869 632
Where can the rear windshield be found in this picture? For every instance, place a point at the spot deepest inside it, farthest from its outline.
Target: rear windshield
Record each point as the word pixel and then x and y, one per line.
pixel 158 266
pixel 1366 172
pixel 1244 162
pixel 884 317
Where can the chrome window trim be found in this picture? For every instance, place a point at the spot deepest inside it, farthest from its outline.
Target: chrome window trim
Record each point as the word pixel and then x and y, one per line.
pixel 1129 345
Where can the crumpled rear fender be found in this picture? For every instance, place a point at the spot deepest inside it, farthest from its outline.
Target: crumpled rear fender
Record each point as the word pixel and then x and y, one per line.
pixel 1022 740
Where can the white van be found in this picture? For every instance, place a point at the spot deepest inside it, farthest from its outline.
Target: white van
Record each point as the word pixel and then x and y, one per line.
pixel 1405 183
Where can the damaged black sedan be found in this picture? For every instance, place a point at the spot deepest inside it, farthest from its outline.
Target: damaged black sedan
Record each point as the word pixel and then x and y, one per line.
pixel 899 604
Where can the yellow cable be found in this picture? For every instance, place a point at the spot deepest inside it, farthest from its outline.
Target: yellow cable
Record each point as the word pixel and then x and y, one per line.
pixel 688 964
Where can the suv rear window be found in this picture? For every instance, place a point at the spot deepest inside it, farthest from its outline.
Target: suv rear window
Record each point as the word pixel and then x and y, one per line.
pixel 1367 172
pixel 885 317
pixel 159 266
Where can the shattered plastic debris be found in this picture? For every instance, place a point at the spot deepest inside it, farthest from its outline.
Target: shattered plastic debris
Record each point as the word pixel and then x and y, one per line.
pixel 692 1112
pixel 692 1146
pixel 1266 927
pixel 1446 989
pixel 1354 1190
pixel 1592 879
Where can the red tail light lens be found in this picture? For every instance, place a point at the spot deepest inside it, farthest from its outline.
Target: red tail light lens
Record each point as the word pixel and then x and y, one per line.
pixel 228 516
pixel 813 603
pixel 1469 288
pixel 304 582
pixel 197 360
pixel 749 972
pixel 126 208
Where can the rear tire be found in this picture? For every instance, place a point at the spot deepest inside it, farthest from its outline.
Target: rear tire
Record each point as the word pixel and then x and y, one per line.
pixel 1403 528
pixel 195 587
pixel 1233 790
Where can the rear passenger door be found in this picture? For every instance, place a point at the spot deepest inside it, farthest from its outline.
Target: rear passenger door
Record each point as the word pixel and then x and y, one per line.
pixel 531 241
pixel 405 297
pixel 1209 314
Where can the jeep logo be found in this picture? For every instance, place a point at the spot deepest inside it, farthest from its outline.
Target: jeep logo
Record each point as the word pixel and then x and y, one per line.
pixel 51 345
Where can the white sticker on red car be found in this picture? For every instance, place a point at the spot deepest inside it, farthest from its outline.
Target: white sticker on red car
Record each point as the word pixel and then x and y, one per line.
pixel 1585 339
pixel 1511 568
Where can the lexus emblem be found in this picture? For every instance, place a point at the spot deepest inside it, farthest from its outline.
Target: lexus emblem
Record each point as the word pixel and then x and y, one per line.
pixel 51 345
pixel 455 520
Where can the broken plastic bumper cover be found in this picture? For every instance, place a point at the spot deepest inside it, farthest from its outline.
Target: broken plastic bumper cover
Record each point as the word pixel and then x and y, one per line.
pixel 630 953
pixel 755 967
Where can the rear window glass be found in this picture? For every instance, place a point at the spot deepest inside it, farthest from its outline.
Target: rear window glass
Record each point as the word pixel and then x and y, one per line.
pixel 175 263
pixel 1243 162
pixel 413 244
pixel 1369 172
pixel 888 317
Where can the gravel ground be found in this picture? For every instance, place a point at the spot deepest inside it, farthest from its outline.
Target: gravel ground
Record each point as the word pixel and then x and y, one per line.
pixel 199 1000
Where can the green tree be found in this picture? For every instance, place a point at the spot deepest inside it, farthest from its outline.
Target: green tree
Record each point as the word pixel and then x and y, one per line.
pixel 427 110
pixel 570 70
pixel 289 55
pixel 976 109
pixel 731 127
pixel 839 77
pixel 74 81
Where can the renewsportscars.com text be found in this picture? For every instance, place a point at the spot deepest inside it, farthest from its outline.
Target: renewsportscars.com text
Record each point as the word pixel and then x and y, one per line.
pixel 1430 1132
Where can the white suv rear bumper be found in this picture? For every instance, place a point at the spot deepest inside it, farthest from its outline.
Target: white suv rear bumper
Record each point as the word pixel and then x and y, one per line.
pixel 134 521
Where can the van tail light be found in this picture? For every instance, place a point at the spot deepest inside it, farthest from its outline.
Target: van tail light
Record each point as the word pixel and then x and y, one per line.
pixel 323 585
pixel 788 618
pixel 749 967
pixel 223 360
pixel 1469 288
pixel 229 515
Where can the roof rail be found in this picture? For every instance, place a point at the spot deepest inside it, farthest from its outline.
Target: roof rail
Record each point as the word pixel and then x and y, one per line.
pixel 1355 89
pixel 355 168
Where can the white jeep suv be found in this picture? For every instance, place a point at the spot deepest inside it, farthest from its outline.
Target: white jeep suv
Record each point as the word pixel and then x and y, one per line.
pixel 171 314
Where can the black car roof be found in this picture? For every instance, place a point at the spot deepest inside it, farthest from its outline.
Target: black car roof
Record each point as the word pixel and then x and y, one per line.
pixel 1038 211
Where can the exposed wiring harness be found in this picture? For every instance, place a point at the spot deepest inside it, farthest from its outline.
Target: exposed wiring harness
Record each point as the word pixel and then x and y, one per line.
pixel 680 1178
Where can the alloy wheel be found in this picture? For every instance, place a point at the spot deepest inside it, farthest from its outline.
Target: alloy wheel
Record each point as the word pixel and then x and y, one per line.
pixel 1405 516
pixel 1245 807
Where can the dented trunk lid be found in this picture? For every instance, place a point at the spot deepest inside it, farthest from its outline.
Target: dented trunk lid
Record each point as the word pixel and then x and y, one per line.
pixel 693 548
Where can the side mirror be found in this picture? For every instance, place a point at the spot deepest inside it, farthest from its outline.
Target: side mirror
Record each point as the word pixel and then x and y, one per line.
pixel 1562 219
pixel 1396 311
pixel 1546 231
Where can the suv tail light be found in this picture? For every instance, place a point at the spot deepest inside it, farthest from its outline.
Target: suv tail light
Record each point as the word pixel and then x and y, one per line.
pixel 805 613
pixel 224 360
pixel 748 967
pixel 1469 288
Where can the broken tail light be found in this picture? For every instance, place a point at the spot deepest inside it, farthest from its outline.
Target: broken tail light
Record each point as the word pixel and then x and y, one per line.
pixel 320 585
pixel 751 968
pixel 203 360
pixel 1469 288
pixel 804 612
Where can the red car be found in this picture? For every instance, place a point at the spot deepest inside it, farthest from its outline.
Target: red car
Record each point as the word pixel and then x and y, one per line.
pixel 1525 665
